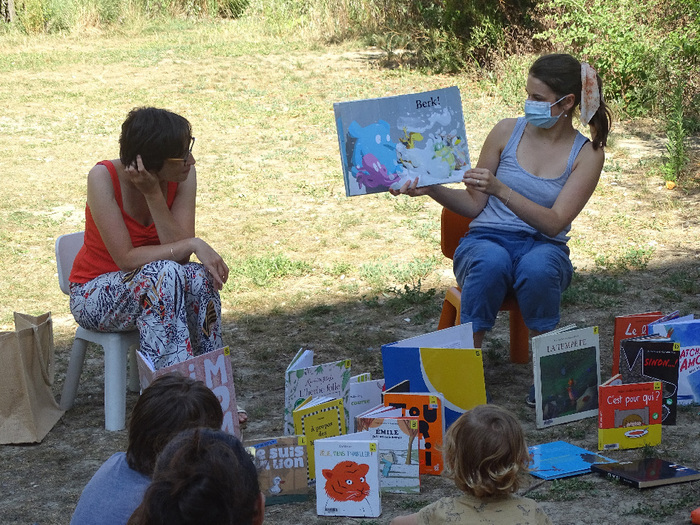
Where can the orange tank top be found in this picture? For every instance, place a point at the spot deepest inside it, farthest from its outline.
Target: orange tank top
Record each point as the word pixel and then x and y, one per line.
pixel 93 259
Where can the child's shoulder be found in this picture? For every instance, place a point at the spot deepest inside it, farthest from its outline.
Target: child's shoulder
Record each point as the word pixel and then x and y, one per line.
pixel 466 508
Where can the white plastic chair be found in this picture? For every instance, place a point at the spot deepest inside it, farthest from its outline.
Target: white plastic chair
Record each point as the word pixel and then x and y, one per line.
pixel 118 348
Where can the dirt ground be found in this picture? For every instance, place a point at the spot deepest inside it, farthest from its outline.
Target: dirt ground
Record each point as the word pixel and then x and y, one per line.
pixel 41 483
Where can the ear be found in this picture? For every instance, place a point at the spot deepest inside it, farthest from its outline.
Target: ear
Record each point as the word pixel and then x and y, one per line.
pixel 364 469
pixel 328 474
pixel 259 510
pixel 568 102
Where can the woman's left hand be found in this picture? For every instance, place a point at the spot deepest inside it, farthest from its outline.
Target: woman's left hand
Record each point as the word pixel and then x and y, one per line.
pixel 482 180
pixel 213 262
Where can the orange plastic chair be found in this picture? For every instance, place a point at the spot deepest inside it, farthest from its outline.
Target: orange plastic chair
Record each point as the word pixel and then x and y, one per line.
pixel 452 228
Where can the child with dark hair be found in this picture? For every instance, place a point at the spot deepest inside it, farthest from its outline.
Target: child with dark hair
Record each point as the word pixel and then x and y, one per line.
pixel 171 403
pixel 486 456
pixel 202 476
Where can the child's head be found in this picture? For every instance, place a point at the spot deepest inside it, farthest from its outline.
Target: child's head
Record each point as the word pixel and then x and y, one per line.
pixel 170 404
pixel 202 476
pixel 485 451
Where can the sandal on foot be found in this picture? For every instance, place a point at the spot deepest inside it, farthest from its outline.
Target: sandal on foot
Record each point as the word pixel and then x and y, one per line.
pixel 530 398
pixel 242 424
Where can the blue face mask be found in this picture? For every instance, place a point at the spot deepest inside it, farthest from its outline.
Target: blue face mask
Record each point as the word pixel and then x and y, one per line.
pixel 539 113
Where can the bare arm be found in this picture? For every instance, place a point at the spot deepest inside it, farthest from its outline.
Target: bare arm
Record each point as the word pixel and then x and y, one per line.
pixel 173 224
pixel 573 197
pixel 110 223
pixel 411 519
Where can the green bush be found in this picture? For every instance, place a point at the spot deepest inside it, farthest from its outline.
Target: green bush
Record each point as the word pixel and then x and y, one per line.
pixel 445 35
pixel 639 48
pixel 51 16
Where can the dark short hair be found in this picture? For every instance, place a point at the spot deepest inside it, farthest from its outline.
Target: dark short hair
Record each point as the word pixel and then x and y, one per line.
pixel 202 476
pixel 155 134
pixel 170 404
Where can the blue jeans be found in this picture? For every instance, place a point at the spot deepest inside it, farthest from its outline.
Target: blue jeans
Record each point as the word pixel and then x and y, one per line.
pixel 488 263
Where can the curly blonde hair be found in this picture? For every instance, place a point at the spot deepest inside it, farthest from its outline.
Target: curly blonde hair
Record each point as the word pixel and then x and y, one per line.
pixel 485 452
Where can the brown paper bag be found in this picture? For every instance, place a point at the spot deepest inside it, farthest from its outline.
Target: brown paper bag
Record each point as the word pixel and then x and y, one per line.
pixel 28 410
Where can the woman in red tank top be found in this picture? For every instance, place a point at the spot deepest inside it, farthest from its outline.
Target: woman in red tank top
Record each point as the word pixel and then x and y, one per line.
pixel 134 270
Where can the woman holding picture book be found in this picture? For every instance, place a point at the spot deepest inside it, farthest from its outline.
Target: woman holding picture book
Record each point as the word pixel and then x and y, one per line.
pixel 534 176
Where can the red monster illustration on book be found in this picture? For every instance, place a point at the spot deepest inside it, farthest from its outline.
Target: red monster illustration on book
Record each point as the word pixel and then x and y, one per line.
pixel 346 481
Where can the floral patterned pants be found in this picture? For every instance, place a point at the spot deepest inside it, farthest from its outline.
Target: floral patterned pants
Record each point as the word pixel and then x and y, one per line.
pixel 175 308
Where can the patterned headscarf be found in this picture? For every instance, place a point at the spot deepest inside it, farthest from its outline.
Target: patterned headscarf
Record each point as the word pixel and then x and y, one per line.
pixel 590 94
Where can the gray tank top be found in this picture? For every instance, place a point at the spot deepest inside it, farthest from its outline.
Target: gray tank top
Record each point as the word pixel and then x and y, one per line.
pixel 495 216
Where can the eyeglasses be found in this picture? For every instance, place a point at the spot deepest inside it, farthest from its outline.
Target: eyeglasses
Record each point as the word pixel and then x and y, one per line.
pixel 189 152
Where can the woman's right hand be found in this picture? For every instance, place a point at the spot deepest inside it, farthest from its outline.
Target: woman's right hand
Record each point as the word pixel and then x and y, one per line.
pixel 212 261
pixel 145 181
pixel 410 188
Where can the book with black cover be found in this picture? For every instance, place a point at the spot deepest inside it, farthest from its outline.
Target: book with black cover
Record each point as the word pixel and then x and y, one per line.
pixel 653 358
pixel 647 472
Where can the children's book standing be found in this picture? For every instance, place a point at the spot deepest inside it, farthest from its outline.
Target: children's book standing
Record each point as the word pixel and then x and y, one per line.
pixel 653 358
pixel 686 332
pixel 399 444
pixel 647 472
pixel 560 459
pixel 365 393
pixel 212 368
pixel 566 365
pixel 347 474
pixel 318 418
pixel 429 408
pixel 303 379
pixel 442 362
pixel 629 415
pixel 282 468
pixel 627 326
pixel 387 141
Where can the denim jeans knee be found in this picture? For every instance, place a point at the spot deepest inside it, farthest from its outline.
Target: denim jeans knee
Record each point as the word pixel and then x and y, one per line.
pixel 483 269
pixel 541 275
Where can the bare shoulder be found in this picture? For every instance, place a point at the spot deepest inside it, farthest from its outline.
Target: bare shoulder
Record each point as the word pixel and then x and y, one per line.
pixel 505 126
pixel 592 159
pixel 502 131
pixel 98 177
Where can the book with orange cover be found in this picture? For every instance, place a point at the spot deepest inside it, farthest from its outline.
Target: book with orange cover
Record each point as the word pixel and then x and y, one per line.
pixel 629 414
pixel 429 408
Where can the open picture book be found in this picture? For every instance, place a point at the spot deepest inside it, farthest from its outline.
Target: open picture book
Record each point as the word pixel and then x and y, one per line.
pixel 213 369
pixel 387 141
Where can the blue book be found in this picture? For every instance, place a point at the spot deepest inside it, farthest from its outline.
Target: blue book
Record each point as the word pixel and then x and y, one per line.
pixel 560 459
pixel 686 332
pixel 441 362
pixel 387 141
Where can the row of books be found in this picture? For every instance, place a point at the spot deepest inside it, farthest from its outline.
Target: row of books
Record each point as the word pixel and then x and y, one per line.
pixel 387 453
pixel 325 402
pixel 560 459
pixel 353 427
